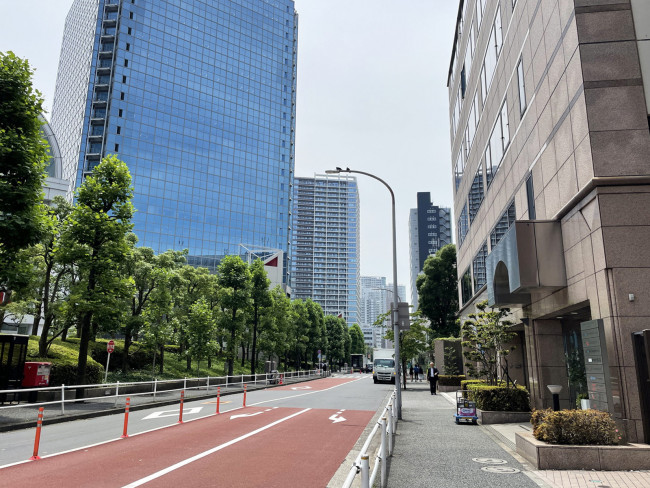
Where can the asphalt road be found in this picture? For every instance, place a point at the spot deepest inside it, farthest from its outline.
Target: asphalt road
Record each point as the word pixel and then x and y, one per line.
pixel 322 421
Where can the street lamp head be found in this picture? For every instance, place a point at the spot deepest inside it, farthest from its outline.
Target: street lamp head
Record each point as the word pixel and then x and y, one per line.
pixel 333 171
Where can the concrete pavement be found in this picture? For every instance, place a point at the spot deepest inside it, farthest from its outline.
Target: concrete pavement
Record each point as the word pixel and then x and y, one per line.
pixel 431 450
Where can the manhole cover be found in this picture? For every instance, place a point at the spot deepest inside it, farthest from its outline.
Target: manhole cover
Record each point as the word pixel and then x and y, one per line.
pixel 489 460
pixel 500 469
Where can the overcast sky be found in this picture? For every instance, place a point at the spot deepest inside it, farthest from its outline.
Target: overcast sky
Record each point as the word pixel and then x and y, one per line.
pixel 372 96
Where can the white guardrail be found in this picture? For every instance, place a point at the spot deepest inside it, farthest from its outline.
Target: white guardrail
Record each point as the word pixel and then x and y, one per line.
pixel 386 428
pixel 66 394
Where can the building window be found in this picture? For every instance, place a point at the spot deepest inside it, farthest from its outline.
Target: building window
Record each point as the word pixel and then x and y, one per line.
pixel 463 226
pixel 476 194
pixel 466 286
pixel 480 8
pixel 530 194
pixel 478 267
pixel 460 163
pixel 492 53
pixel 463 82
pixel 505 221
pixel 499 141
pixel 522 87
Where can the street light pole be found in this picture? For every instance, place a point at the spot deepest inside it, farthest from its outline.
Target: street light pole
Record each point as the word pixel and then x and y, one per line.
pixel 393 314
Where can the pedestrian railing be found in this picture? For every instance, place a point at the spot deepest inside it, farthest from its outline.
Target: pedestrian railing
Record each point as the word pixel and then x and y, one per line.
pixel 386 427
pixel 107 395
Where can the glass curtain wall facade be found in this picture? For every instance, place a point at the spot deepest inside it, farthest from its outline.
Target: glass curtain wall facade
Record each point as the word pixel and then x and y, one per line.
pixel 198 99
pixel 326 260
pixel 429 230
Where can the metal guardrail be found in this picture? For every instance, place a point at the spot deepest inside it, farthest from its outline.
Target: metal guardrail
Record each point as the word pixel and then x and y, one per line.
pixel 67 394
pixel 386 427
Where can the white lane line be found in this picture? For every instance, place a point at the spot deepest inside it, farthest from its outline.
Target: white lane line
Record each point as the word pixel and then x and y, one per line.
pixel 303 394
pixel 174 467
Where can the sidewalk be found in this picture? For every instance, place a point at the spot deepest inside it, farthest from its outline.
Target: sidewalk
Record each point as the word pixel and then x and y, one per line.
pixel 432 451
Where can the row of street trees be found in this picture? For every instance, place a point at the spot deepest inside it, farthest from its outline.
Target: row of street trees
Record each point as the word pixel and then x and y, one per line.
pixel 77 267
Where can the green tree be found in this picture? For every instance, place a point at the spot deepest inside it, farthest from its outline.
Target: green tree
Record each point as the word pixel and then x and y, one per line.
pixel 302 326
pixel 336 334
pixel 412 342
pixel 193 284
pixel 487 341
pixel 201 332
pixel 316 334
pixel 438 292
pixel 273 338
pixel 358 345
pixel 96 241
pixel 54 275
pixel 260 302
pixel 148 272
pixel 158 320
pixel 234 280
pixel 23 155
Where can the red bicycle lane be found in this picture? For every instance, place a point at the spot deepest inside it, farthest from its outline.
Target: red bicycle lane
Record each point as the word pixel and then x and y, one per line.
pixel 248 447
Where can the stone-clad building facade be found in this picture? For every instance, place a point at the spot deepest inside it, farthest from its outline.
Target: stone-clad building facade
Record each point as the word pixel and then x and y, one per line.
pixel 549 104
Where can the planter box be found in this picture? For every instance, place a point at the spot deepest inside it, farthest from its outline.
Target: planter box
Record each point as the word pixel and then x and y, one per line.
pixel 496 417
pixel 448 388
pixel 600 458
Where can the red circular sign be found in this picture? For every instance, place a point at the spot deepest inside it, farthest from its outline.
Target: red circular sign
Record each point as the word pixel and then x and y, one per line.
pixel 110 347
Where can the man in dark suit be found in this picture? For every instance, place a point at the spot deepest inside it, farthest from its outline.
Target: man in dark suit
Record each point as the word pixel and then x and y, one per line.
pixel 432 377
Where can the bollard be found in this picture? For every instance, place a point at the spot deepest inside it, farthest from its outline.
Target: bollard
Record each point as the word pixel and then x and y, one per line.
pixel 180 413
pixel 126 417
pixel 62 399
pixel 244 404
pixel 365 471
pixel 155 387
pixel 390 430
pixel 218 398
pixel 383 453
pixel 37 440
pixel 117 392
pixel 282 379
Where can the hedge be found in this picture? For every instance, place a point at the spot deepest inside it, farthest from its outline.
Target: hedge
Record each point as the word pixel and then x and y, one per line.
pixel 499 398
pixel 464 383
pixel 575 427
pixel 64 363
pixel 450 380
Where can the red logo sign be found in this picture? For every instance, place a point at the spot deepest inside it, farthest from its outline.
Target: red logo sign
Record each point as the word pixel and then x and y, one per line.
pixel 110 346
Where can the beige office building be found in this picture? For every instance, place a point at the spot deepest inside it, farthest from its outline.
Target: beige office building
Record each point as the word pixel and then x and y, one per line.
pixel 551 158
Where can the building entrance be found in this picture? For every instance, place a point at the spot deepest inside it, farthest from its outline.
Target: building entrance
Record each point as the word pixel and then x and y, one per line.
pixel 642 357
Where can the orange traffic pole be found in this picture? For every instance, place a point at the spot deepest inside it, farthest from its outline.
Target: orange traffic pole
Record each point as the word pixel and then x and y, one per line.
pixel 37 440
pixel 180 413
pixel 244 395
pixel 218 398
pixel 281 378
pixel 126 417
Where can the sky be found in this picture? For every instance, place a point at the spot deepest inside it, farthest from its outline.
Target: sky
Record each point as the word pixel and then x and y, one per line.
pixel 371 96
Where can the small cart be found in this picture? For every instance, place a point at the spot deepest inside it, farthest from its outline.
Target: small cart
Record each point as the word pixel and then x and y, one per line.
pixel 465 408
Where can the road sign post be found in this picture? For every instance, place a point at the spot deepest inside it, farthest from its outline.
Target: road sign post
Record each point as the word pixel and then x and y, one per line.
pixel 110 347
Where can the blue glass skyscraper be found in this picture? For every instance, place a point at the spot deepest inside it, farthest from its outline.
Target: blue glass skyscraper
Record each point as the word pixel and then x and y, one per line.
pixel 198 99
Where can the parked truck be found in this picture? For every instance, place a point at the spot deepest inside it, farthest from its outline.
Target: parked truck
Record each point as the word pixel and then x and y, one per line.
pixel 383 362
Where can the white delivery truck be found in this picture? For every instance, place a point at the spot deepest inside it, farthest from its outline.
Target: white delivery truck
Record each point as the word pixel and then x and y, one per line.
pixel 383 365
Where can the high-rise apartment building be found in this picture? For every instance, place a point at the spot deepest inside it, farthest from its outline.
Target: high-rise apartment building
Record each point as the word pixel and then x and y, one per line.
pixel 325 264
pixel 198 99
pixel 429 230
pixel 550 147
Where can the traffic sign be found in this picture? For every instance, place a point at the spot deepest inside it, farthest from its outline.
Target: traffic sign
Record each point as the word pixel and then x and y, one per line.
pixel 110 346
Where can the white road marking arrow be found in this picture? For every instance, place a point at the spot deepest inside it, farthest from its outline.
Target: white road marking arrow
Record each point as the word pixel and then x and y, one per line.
pixel 245 415
pixel 172 413
pixel 301 388
pixel 335 418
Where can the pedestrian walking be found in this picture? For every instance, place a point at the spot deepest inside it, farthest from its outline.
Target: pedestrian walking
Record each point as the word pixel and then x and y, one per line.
pixel 411 372
pixel 432 377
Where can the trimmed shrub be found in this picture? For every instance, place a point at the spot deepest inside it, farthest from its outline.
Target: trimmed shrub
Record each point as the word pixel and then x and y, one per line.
pixel 465 383
pixel 450 380
pixel 64 359
pixel 498 398
pixel 576 427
